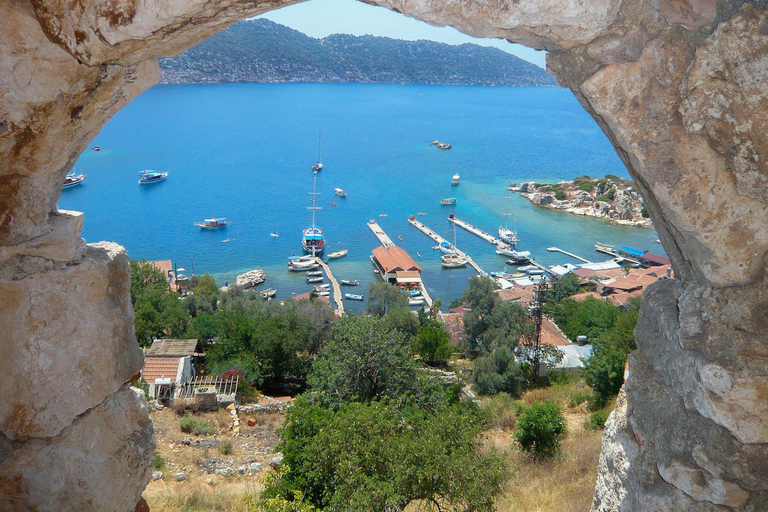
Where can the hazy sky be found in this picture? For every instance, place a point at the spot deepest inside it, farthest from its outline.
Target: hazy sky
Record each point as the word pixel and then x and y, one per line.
pixel 319 18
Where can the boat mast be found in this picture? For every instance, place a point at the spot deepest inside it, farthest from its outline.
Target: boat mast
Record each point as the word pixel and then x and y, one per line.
pixel 314 207
pixel 319 145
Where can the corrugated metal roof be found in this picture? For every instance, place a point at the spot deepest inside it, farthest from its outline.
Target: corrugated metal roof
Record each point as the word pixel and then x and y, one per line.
pixel 655 258
pixel 630 250
pixel 172 347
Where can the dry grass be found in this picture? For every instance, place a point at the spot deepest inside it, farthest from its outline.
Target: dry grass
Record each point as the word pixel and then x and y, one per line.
pixel 221 495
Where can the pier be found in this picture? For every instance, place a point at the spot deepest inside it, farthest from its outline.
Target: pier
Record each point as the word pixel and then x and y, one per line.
pixel 542 267
pixel 335 287
pixel 555 249
pixel 437 238
pixel 479 232
pixel 610 251
pixel 380 234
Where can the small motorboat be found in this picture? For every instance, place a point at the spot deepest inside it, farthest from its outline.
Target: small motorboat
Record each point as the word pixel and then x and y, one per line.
pixel 399 238
pixel 322 287
pixel 315 273
pixel 340 192
pixel 274 234
pixel 448 201
pixel 96 148
pixel 73 179
pixel 337 254
pixel 415 301
pixel 324 293
pixel 414 293
pixel 226 240
pixel 213 222
pixel 349 282
pixel 422 213
pixel 418 253
pixel 353 296
pixel 146 177
pixel 314 280
pixel 269 294
pixel 383 214
pixel 302 267
pixel 456 179
pixel 453 261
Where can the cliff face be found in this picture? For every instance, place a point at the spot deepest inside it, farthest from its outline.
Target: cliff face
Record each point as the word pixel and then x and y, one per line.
pixel 680 90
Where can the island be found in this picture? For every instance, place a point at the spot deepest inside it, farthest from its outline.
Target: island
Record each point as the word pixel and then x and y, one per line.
pixel 611 198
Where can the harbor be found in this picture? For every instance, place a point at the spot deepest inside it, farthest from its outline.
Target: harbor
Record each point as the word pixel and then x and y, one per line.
pixel 557 249
pixel 440 240
pixel 498 242
pixel 335 287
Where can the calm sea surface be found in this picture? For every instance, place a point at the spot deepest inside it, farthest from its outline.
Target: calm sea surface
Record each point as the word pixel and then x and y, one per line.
pixel 245 152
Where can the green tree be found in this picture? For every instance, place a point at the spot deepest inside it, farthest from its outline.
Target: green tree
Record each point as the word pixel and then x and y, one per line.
pixel 433 342
pixel 590 317
pixel 506 324
pixel 376 456
pixel 564 287
pixel 384 297
pixel 498 372
pixel 145 277
pixel 540 429
pixel 204 285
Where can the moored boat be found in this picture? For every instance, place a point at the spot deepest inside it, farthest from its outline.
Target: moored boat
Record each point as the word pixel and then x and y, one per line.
pixel 456 179
pixel 340 192
pixel 416 302
pixel 312 239
pixel 314 273
pixel 146 177
pixel 269 294
pixel 349 282
pixel 318 279
pixel 70 180
pixel 353 296
pixel 453 261
pixel 337 254
pixel 213 222
pixel 448 201
pixel 319 165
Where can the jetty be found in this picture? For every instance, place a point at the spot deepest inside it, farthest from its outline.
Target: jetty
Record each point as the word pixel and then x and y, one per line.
pixel 335 287
pixel 542 267
pixel 556 249
pixel 611 251
pixel 380 234
pixel 479 232
pixel 437 238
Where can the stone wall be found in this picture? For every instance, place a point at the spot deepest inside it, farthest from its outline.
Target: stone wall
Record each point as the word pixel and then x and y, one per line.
pixel 679 87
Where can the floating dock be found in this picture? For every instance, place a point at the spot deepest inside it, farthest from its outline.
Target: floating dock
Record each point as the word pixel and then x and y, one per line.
pixel 479 232
pixel 380 234
pixel 437 238
pixel 555 249
pixel 335 287
pixel 610 251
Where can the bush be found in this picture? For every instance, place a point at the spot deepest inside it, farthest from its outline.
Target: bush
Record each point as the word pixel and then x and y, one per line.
pixel 607 197
pixel 586 186
pixel 540 429
pixel 576 398
pixel 502 410
pixel 644 213
pixel 596 420
pixel 497 372
pixel 196 427
pixel 225 447
pixel 159 463
pixel 560 195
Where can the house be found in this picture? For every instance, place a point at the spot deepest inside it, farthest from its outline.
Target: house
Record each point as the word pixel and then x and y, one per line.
pixel 396 266
pixel 654 260
pixel 166 267
pixel 168 366
pixel 322 298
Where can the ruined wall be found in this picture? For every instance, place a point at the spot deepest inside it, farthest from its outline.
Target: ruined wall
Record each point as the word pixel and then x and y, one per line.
pixel 679 87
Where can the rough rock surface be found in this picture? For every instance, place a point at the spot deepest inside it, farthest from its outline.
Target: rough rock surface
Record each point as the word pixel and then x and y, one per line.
pixel 679 87
pixel 251 278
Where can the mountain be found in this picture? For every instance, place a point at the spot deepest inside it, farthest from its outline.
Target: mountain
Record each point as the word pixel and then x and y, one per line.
pixel 263 51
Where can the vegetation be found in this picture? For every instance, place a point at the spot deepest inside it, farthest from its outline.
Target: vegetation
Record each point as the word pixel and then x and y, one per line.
pixel 263 51
pixel 159 463
pixel 225 447
pixel 433 343
pixel 560 195
pixel 607 196
pixel 196 427
pixel 540 429
pixel 596 420
pixel 498 372
pixel 384 297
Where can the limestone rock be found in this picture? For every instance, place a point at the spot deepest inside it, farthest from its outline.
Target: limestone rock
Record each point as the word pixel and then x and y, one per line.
pixel 251 278
pixel 542 199
pixel 157 475
pixel 690 14
pixel 67 347
pixel 276 460
pixel 102 461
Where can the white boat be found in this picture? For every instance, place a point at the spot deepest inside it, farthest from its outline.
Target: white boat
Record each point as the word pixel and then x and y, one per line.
pixel 325 293
pixel 312 239
pixel 340 192
pixel 315 279
pixel 70 180
pixel 446 247
pixel 456 179
pixel 349 282
pixel 274 234
pixel 337 254
pixel 314 273
pixel 416 302
pixel 213 222
pixel 353 296
pixel 319 165
pixel 453 261
pixel 146 177
pixel 269 294
pixel 448 201
pixel 322 287
pixel 96 148
pixel 508 235
pixel 302 266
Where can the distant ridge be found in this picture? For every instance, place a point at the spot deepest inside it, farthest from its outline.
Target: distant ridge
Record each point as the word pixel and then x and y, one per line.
pixel 263 51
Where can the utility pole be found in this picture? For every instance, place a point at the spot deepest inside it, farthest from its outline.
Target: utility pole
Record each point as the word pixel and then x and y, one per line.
pixel 535 310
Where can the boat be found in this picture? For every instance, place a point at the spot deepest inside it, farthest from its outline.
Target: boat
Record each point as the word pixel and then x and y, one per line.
pixel 348 282
pixel 422 213
pixel 448 248
pixel 508 235
pixel 269 294
pixel 70 180
pixel 146 177
pixel 456 179
pixel 453 261
pixel 448 201
pixel 312 239
pixel 301 258
pixel 399 238
pixel 96 148
pixel 519 256
pixel 534 272
pixel 319 165
pixel 213 222
pixel 314 273
pixel 383 214
pixel 414 293
pixel 315 279
pixel 416 302
pixel 353 296
pixel 337 254
pixel 226 240
pixel 322 287
pixel 324 293
pixel 302 266
pixel 512 187
pixel 274 234
pixel 333 204
pixel 340 192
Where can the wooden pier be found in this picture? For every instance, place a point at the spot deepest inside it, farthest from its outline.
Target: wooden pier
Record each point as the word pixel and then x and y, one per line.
pixel 335 287
pixel 380 234
pixel 555 249
pixel 498 242
pixel 437 238
pixel 542 267
pixel 610 251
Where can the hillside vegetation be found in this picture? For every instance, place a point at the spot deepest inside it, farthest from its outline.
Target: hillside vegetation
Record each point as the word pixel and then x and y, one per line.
pixel 264 51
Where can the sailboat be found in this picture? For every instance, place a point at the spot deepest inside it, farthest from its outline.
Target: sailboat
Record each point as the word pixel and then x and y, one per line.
pixel 312 239
pixel 508 235
pixel 319 165
pixel 445 246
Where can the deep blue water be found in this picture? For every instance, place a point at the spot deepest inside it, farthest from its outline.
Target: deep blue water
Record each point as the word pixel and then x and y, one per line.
pixel 245 151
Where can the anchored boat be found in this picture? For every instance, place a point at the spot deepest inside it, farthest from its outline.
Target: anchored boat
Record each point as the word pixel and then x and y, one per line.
pixel 146 177
pixel 73 179
pixel 213 222
pixel 353 296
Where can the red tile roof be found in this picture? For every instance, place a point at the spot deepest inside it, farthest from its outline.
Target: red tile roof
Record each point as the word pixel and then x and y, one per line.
pixel 156 367
pixel 323 298
pixel 654 258
pixel 584 272
pixel 551 334
pixel 394 258
pixel 624 283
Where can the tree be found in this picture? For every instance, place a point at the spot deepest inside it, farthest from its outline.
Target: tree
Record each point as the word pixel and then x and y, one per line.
pixel 498 372
pixel 506 324
pixel 480 295
pixel 384 297
pixel 433 342
pixel 376 456
pixel 540 429
pixel 590 317
pixel 364 360
pixel 564 287
pixel 204 285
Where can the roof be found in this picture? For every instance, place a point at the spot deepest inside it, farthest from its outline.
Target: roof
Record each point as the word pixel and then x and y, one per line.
pixel 655 258
pixel 518 293
pixel 632 251
pixel 178 348
pixel 584 272
pixel 394 258
pixel 626 283
pixel 551 334
pixel 156 367
pixel 163 266
pixel 323 298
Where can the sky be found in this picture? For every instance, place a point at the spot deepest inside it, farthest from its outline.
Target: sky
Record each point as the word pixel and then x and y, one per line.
pixel 320 18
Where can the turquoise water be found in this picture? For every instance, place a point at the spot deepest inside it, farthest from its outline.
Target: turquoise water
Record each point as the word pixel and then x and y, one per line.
pixel 245 152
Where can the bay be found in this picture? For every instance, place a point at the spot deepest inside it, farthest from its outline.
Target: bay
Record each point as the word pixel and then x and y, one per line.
pixel 245 152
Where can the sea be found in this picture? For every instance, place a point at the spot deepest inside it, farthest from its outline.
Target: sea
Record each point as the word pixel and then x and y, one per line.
pixel 245 152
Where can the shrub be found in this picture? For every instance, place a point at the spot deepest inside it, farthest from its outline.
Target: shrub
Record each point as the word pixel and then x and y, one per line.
pixel 159 463
pixel 497 372
pixel 196 427
pixel 225 447
pixel 586 186
pixel 577 398
pixel 596 420
pixel 607 197
pixel 560 195
pixel 644 213
pixel 502 410
pixel 540 429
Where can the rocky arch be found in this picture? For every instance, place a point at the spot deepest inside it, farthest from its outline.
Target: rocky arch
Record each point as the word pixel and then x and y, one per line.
pixel 679 87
